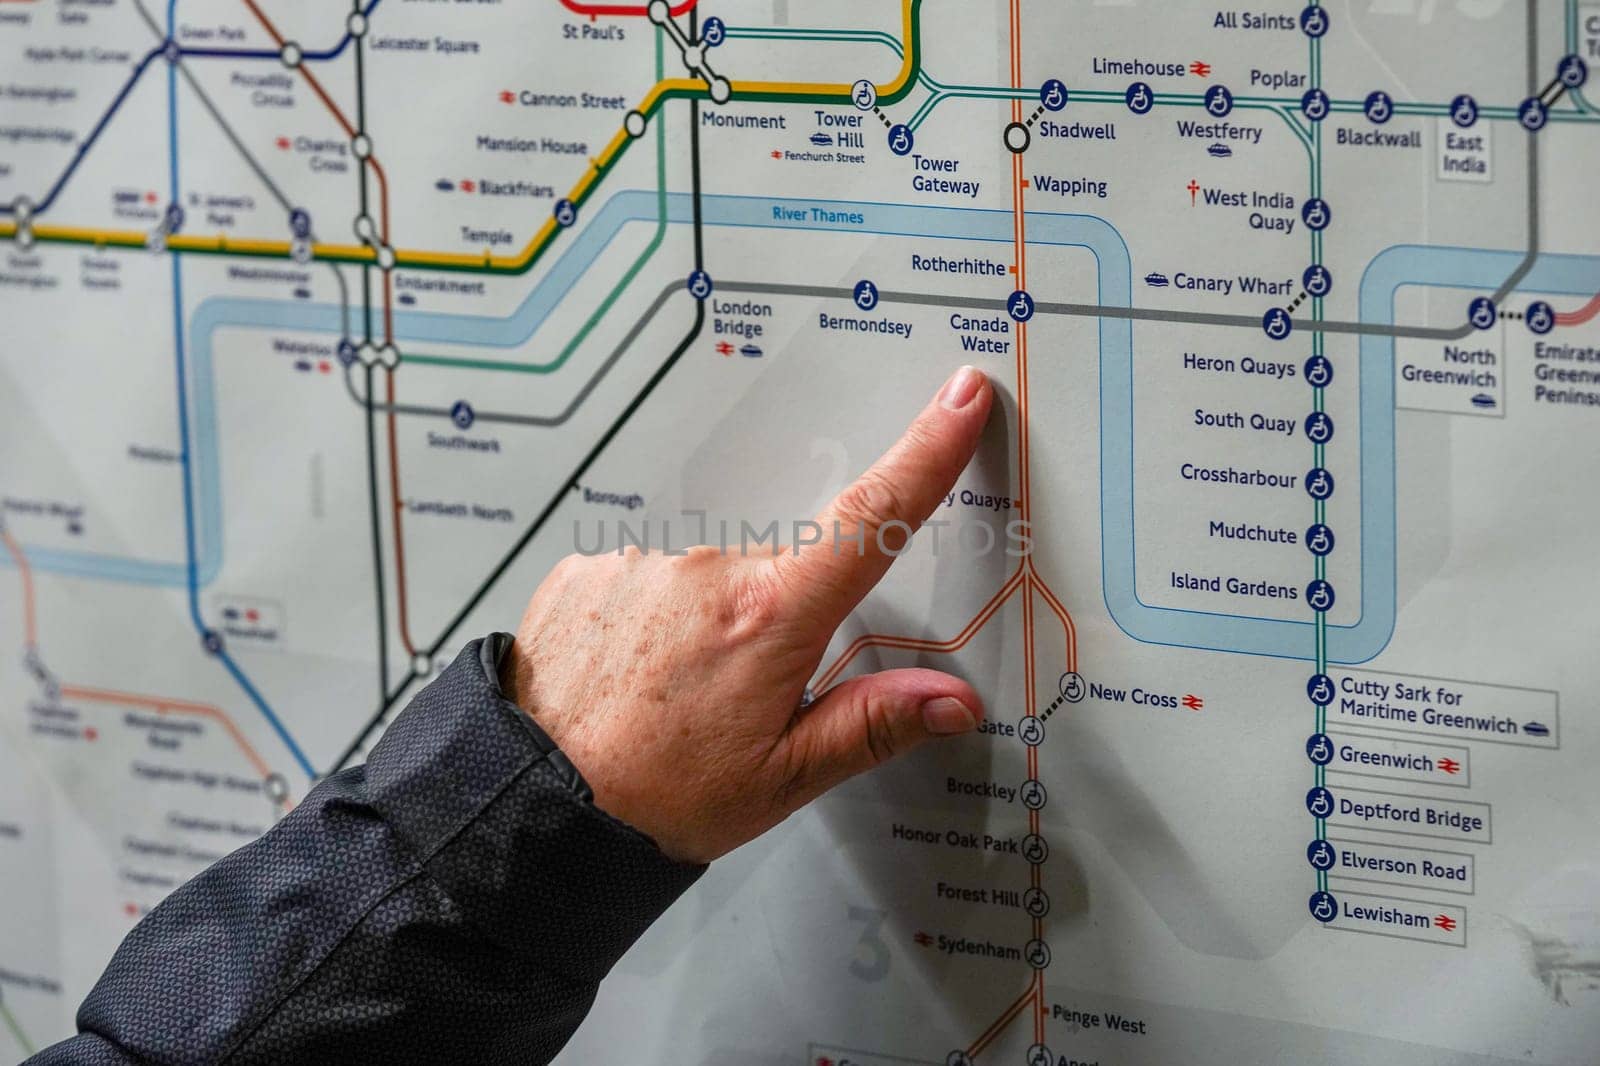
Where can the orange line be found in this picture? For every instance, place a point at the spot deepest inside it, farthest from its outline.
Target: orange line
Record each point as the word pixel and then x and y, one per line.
pixel 955 643
pixel 1000 1024
pixel 1583 314
pixel 163 706
pixel 399 537
pixel 1060 612
pixel 1025 479
pixel 30 623
pixel 266 23
pixel 372 162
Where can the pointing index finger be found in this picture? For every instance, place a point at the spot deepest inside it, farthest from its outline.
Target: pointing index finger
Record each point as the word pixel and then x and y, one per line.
pixel 869 523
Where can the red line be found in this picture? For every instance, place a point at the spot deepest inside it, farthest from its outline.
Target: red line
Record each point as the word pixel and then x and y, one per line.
pixel 30 623
pixel 593 10
pixel 163 706
pixel 1583 314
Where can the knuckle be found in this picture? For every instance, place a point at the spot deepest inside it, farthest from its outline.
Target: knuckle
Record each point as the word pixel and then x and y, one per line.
pixel 877 714
pixel 754 603
pixel 872 500
pixel 792 776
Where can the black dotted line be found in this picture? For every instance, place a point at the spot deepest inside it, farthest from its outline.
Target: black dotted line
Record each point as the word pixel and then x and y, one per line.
pixel 1048 711
pixel 1515 316
pixel 1035 116
pixel 876 110
pixel 1298 300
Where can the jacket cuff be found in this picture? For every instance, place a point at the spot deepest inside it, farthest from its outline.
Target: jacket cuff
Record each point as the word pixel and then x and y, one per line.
pixel 506 825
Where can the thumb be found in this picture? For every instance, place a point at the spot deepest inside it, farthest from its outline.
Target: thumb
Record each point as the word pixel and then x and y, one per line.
pixel 868 720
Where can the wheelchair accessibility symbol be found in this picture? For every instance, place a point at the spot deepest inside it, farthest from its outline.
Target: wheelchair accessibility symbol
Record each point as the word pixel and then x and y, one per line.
pixel 1319 801
pixel 1319 749
pixel 1320 855
pixel 900 139
pixel 1541 317
pixel 1020 306
pixel 1482 313
pixel 1317 280
pixel 864 95
pixel 1314 22
pixel 1572 71
pixel 565 213
pixel 1319 540
pixel 1319 595
pixel 1319 483
pixel 1319 371
pixel 1140 98
pixel 1324 908
pixel 1053 94
pixel 1219 101
pixel 1277 324
pixel 1320 689
pixel 1379 107
pixel 1319 427
pixel 1316 213
pixel 866 295
pixel 1464 111
pixel 699 284
pixel 1533 114
pixel 1315 105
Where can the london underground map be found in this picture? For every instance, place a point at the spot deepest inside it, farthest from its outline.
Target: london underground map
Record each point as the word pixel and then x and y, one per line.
pixel 328 329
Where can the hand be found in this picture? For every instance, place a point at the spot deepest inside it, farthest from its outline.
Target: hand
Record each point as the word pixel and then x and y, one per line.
pixel 673 682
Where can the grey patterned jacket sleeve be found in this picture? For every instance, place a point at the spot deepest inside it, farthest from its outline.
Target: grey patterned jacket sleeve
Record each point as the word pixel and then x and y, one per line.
pixel 455 900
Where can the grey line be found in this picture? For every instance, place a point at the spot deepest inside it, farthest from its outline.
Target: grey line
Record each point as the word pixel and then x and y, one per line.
pixel 227 130
pixel 679 38
pixel 1533 46
pixel 344 301
pixel 1516 276
pixel 916 298
pixel 233 138
pixel 1142 314
pixel 149 20
pixel 542 421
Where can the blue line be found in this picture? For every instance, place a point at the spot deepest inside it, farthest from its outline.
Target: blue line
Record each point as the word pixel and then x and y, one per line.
pixel 94 134
pixel 139 69
pixel 277 53
pixel 232 53
pixel 190 570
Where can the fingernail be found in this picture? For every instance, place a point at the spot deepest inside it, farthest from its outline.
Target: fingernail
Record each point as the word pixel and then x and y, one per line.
pixel 961 388
pixel 947 715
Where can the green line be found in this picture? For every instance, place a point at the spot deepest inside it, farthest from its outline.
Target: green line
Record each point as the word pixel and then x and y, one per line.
pixel 16 1029
pixel 611 298
pixel 914 46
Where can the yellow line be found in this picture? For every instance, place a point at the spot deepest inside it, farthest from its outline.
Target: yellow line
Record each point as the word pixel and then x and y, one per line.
pixel 546 232
pixel 89 235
